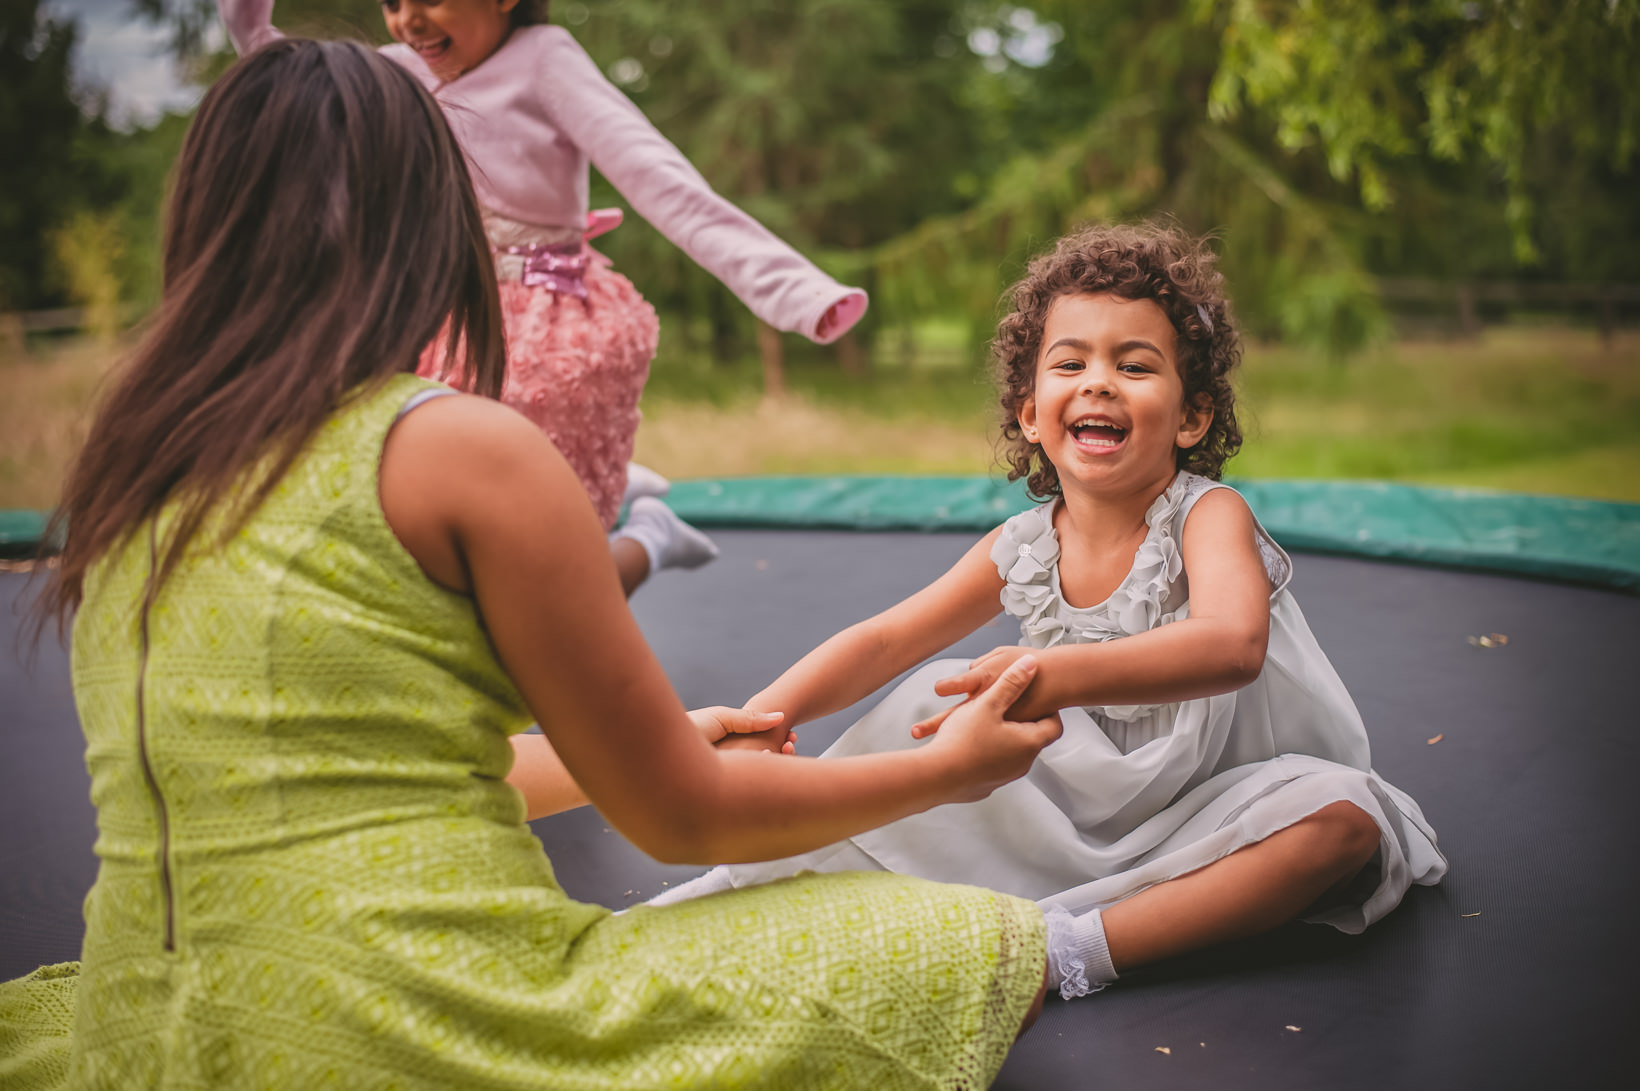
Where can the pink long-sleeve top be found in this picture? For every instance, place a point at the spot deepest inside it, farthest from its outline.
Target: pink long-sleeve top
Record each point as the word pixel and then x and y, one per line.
pixel 537 111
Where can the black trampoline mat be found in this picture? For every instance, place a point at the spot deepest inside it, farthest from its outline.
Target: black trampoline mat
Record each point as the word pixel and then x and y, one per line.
pixel 1516 971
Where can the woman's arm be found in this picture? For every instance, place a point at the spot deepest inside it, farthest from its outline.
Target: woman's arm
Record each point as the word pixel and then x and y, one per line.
pixel 249 23
pixel 778 284
pixel 487 506
pixel 1218 648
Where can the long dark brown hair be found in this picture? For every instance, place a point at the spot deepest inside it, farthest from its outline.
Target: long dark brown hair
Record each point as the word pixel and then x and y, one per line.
pixel 321 232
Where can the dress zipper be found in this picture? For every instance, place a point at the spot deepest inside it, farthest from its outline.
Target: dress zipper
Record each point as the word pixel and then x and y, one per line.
pixel 166 892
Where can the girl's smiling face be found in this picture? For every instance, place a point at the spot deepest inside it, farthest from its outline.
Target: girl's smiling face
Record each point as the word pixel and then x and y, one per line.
pixel 1108 408
pixel 451 36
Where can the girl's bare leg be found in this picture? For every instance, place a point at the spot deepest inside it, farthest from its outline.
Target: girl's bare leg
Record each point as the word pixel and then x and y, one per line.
pixel 631 562
pixel 1248 892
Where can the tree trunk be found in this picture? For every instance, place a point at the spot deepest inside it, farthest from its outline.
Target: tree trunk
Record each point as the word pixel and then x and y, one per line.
pixel 1469 320
pixel 851 356
pixel 774 362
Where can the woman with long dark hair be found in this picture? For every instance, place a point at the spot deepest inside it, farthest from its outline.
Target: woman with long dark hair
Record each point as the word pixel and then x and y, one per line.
pixel 316 596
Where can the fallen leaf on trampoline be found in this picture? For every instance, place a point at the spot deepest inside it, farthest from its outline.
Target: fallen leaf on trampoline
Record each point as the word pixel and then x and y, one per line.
pixel 1474 914
pixel 1437 738
pixel 1164 1049
pixel 1490 640
pixel 1294 1029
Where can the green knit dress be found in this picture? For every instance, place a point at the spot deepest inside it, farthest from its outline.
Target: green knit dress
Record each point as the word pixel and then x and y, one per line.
pixel 313 874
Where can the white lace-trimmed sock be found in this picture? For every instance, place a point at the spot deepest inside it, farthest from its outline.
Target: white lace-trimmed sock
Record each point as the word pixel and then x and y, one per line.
pixel 668 540
pixel 1078 957
pixel 642 481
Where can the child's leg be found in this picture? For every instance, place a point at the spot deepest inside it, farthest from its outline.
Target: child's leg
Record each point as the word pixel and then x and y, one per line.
pixel 631 561
pixel 653 538
pixel 1249 891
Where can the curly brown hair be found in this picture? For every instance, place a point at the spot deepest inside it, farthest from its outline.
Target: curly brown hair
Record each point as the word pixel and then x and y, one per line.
pixel 529 13
pixel 1155 260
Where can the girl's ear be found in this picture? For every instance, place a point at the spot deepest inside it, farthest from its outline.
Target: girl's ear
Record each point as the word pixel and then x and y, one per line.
pixel 1027 418
pixel 1197 419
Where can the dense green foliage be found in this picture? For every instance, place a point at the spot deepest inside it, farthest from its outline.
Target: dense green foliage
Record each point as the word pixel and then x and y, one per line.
pixel 924 148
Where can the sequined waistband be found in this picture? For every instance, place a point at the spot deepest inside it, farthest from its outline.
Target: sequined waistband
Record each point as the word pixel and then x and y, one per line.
pixel 555 258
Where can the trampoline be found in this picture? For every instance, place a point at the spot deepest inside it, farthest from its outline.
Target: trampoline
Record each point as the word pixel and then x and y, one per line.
pixel 1517 971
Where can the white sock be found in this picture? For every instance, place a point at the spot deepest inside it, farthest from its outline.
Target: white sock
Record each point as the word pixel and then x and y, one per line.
pixel 668 540
pixel 1078 957
pixel 713 882
pixel 642 481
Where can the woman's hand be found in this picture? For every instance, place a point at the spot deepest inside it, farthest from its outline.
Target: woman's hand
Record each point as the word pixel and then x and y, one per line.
pixel 743 729
pixel 987 749
pixel 981 674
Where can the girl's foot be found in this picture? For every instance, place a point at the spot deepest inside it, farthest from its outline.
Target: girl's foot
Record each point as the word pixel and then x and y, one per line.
pixel 1078 956
pixel 668 540
pixel 642 481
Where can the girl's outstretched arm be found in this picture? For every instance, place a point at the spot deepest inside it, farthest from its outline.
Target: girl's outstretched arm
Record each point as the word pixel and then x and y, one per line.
pixel 487 507
pixel 249 23
pixel 540 777
pixel 778 284
pixel 1218 648
pixel 864 657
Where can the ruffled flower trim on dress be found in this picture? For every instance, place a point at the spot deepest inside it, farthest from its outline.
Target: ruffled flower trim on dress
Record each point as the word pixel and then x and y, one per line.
pixel 1026 554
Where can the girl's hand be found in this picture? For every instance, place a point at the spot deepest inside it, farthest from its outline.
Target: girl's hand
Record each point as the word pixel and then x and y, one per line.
pixel 721 725
pixel 986 748
pixel 981 674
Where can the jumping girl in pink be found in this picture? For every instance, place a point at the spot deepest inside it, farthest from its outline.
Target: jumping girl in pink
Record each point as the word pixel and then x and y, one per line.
pixel 531 111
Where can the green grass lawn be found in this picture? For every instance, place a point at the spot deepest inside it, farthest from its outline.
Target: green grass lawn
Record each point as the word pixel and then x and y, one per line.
pixel 1548 409
pixel 1531 409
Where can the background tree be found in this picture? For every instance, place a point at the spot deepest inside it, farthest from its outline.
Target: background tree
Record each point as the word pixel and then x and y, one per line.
pixel 924 148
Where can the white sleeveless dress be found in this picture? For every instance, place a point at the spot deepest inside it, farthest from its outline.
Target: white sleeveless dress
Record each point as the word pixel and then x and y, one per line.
pixel 1133 796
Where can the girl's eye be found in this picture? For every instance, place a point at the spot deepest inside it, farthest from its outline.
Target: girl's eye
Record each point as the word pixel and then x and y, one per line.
pixel 1131 368
pixel 1068 365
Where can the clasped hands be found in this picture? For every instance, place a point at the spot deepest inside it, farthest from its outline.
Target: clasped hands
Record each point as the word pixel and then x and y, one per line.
pixel 745 729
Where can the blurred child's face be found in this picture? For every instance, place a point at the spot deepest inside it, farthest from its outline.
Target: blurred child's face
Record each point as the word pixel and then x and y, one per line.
pixel 451 36
pixel 1108 408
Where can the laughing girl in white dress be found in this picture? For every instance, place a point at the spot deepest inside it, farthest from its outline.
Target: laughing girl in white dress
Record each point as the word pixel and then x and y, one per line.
pixel 1214 778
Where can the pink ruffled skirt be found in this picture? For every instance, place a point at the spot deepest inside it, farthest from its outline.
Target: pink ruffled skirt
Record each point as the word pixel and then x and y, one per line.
pixel 576 368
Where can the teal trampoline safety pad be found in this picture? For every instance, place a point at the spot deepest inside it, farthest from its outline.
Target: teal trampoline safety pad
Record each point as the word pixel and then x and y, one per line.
pixel 1551 537
pixel 20 532
pixel 1548 537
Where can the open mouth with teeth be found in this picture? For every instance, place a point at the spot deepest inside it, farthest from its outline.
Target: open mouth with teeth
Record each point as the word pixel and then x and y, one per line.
pixel 1098 434
pixel 432 52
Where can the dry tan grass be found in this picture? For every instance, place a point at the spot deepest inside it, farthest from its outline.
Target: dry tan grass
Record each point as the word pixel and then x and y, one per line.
pixel 1537 410
pixel 44 412
pixel 795 436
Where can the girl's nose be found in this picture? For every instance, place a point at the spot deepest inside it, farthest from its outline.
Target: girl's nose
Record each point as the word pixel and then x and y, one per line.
pixel 1097 381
